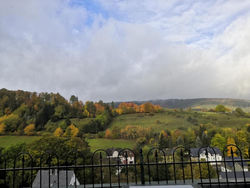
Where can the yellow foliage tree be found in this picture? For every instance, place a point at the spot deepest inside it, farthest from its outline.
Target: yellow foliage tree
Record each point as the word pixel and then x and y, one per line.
pixel 71 131
pixel 163 133
pixel 2 118
pixel 2 128
pixel 30 129
pixel 148 107
pixel 119 111
pixel 58 132
pixel 231 140
pixel 242 141
pixel 74 131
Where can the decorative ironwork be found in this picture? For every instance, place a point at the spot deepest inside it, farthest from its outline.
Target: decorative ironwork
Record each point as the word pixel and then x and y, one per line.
pixel 158 166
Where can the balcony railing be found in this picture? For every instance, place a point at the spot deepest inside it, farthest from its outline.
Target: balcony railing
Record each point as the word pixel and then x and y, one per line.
pixel 158 166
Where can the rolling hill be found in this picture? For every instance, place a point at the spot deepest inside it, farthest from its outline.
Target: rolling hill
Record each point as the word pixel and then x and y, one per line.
pixel 198 102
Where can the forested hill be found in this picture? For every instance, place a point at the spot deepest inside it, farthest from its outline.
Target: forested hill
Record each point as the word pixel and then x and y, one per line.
pixel 23 112
pixel 202 102
pixel 44 110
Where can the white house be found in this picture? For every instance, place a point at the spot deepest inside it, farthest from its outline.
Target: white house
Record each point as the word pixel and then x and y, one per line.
pixel 114 152
pixel 125 157
pixel 129 160
pixel 212 154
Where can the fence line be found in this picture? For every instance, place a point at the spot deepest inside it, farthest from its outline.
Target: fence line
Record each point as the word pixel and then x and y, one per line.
pixel 197 166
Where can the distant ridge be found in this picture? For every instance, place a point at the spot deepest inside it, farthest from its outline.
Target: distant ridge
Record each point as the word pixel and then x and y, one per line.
pixel 166 103
pixel 202 102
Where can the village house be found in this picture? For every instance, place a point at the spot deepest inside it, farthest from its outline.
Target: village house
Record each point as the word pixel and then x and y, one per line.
pixel 116 154
pixel 212 154
pixel 113 153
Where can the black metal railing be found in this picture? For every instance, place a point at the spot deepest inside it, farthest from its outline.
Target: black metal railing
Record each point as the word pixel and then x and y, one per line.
pixel 199 167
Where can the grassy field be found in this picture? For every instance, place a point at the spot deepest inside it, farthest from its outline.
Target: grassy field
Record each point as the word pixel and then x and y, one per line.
pixel 158 121
pixel 223 120
pixel 7 141
pixel 101 143
pixel 179 120
pixel 79 122
pixel 97 143
pixel 169 119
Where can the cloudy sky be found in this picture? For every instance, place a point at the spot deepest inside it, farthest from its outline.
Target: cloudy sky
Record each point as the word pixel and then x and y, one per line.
pixel 126 49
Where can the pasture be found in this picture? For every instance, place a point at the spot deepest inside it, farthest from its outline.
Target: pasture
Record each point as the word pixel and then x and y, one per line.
pixel 101 143
pixel 8 141
pixel 170 119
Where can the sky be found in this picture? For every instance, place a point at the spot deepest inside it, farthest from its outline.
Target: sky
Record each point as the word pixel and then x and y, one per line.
pixel 121 50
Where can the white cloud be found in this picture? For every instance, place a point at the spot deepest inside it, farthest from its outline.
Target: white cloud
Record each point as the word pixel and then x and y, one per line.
pixel 145 50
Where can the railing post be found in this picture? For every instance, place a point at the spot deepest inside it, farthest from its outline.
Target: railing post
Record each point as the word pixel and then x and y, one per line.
pixel 142 168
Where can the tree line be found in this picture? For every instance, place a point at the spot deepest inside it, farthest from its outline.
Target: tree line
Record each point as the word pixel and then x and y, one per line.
pixel 20 110
pixel 28 113
pixel 201 136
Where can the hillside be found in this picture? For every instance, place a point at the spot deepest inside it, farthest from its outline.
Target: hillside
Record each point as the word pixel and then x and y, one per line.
pixel 198 102
pixel 181 120
pixel 133 125
pixel 30 113
pixel 23 112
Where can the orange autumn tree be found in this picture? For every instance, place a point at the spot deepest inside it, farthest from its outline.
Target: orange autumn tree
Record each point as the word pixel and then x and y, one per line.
pixel 99 108
pixel 126 108
pixel 157 108
pixel 129 108
pixel 147 107
pixel 108 134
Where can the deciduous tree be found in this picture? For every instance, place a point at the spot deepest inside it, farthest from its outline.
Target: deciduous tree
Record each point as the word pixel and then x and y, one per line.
pixel 242 143
pixel 108 134
pixel 30 129
pixel 2 128
pixel 58 132
pixel 71 131
pixel 221 108
pixel 231 140
pixel 219 141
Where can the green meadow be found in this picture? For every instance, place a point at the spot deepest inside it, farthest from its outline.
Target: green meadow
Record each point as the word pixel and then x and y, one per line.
pixel 96 143
pixel 157 121
pixel 7 141
pixel 172 120
pixel 101 143
pixel 168 119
